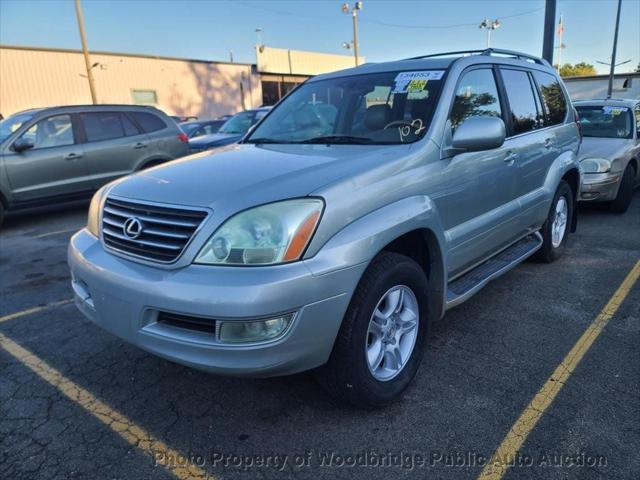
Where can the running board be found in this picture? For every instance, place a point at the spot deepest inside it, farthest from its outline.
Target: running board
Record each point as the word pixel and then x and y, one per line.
pixel 463 288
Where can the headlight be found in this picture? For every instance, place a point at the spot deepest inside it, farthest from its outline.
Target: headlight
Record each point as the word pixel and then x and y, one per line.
pixel 266 235
pixel 595 165
pixel 93 219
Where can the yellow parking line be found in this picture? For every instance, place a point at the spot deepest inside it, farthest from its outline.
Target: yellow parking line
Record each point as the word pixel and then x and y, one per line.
pixel 30 311
pixel 506 452
pixel 120 424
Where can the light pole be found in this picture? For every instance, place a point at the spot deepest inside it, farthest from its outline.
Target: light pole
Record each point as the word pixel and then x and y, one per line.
pixel 85 51
pixel 354 14
pixel 613 53
pixel 489 25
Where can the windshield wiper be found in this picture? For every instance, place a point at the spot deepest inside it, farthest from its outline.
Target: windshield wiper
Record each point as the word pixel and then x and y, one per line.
pixel 346 139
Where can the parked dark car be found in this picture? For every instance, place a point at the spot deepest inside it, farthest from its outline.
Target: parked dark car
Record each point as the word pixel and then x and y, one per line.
pixel 55 154
pixel 201 127
pixel 231 132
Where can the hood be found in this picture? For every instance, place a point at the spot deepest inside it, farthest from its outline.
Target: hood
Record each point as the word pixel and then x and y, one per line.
pixel 214 140
pixel 598 147
pixel 245 175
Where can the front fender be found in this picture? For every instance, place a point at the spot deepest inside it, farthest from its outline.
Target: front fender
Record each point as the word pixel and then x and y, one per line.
pixel 360 241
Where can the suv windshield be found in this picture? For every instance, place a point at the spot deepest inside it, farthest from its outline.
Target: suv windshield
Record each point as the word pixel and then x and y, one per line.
pixel 12 123
pixel 606 121
pixel 381 108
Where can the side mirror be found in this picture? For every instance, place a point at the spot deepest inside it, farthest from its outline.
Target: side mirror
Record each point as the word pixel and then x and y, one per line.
pixel 479 133
pixel 22 144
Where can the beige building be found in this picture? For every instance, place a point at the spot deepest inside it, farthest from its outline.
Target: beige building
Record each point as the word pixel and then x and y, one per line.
pixel 41 77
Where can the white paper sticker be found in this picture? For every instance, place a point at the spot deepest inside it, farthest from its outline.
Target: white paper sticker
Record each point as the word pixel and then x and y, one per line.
pixel 415 81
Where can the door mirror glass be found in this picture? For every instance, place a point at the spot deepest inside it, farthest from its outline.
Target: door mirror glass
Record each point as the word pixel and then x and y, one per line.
pixel 479 133
pixel 22 144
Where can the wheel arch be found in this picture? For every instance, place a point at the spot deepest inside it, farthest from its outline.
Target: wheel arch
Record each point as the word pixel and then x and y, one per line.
pixel 422 246
pixel 572 177
pixel 152 162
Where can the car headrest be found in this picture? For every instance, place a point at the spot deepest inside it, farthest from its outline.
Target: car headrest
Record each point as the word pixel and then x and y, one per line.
pixel 377 117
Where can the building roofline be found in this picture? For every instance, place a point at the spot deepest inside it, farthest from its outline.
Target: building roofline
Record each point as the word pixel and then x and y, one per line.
pixel 121 54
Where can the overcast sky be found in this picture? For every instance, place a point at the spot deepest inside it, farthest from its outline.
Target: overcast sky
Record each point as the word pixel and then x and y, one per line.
pixel 210 29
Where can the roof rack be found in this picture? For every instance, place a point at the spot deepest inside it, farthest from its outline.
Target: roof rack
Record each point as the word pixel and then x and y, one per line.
pixel 489 52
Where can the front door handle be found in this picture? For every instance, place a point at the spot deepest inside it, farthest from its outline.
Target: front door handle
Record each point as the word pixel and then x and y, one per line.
pixel 140 145
pixel 73 156
pixel 511 157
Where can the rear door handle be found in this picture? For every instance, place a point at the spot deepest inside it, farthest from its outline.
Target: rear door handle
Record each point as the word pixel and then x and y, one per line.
pixel 73 156
pixel 140 145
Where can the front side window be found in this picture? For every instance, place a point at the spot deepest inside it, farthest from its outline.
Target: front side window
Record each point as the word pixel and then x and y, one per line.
pixel 13 123
pixel 606 121
pixel 476 96
pixel 376 108
pixel 102 126
pixel 553 97
pixel 56 131
pixel 522 103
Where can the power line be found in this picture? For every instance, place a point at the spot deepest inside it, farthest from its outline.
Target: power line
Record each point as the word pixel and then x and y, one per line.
pixel 373 20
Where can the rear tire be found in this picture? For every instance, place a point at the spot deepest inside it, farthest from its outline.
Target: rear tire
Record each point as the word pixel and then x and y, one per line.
pixel 555 229
pixel 2 213
pixel 377 351
pixel 625 192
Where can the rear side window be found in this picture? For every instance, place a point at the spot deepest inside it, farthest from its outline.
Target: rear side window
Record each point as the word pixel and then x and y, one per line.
pixel 522 103
pixel 102 126
pixel 148 121
pixel 129 128
pixel 553 97
pixel 477 95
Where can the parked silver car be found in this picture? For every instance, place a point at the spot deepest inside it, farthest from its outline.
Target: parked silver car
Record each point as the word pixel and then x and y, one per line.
pixel 65 153
pixel 366 204
pixel 610 151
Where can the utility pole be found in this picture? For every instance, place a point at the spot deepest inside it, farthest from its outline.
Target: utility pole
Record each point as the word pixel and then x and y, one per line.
pixel 354 14
pixel 561 45
pixel 613 53
pixel 549 24
pixel 85 51
pixel 489 25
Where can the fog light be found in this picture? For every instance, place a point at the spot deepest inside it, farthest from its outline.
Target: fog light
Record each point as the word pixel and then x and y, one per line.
pixel 253 331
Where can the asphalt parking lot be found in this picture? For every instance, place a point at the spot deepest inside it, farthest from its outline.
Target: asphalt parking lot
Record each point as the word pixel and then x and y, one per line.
pixel 76 402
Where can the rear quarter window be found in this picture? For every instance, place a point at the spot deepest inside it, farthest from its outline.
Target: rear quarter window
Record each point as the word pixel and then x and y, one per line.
pixel 553 98
pixel 148 121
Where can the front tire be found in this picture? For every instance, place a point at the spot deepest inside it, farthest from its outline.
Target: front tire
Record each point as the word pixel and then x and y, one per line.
pixel 625 192
pixel 381 341
pixel 555 229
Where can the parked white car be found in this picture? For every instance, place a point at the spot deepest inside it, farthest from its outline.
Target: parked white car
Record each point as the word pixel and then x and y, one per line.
pixel 610 151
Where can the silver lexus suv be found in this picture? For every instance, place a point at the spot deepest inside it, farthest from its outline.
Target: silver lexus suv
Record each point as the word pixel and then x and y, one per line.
pixel 365 205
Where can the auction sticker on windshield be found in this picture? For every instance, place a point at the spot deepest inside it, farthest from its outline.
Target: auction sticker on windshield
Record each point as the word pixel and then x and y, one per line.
pixel 409 82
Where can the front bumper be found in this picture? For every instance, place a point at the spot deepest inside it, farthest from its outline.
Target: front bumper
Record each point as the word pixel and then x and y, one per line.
pixel 600 187
pixel 124 298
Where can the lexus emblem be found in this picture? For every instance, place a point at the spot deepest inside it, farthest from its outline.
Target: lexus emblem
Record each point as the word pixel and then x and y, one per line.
pixel 132 228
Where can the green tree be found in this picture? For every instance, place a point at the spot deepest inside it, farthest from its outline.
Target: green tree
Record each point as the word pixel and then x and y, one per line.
pixel 578 70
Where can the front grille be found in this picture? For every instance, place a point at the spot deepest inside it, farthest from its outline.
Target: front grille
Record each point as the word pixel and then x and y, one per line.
pixel 164 231
pixel 187 322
